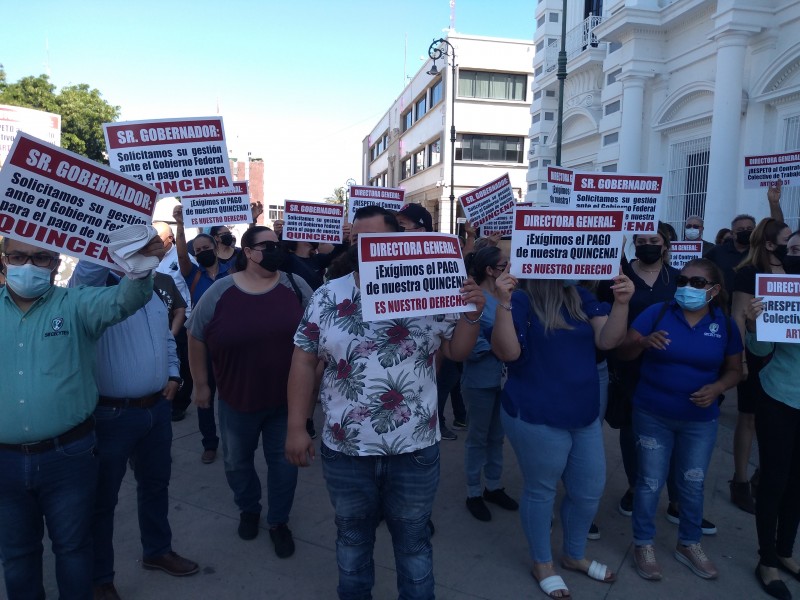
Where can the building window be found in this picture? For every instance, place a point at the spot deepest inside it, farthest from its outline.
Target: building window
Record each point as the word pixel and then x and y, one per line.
pixel 611 138
pixel 436 93
pixel 532 187
pixel 536 118
pixel 549 116
pixel 492 148
pixel 540 46
pixel 405 169
pixel 434 152
pixel 553 17
pixel 534 164
pixel 609 168
pixel 419 161
pixel 540 21
pixel 687 180
pixel 550 93
pixel 535 140
pixel 612 77
pixel 539 70
pixel 612 107
pixel 420 108
pixel 537 95
pixel 275 212
pixel 546 162
pixel 544 186
pixel 408 120
pixel 495 86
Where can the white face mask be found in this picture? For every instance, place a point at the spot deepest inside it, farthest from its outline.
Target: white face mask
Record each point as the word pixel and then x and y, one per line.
pixel 692 234
pixel 28 281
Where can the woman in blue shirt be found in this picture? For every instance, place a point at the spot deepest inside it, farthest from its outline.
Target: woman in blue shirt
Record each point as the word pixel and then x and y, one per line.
pixel 548 332
pixel 691 353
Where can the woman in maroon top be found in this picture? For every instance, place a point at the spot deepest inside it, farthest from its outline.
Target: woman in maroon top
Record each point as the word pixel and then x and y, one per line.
pixel 246 323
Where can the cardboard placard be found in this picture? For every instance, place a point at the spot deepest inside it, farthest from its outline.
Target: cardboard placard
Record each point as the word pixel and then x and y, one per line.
pixel 313 222
pixel 765 170
pixel 204 210
pixel 410 275
pixel 552 243
pixel 682 252
pixel 67 203
pixel 37 123
pixel 639 195
pixel 780 321
pixel 560 186
pixel 366 195
pixel 503 224
pixel 488 201
pixel 178 156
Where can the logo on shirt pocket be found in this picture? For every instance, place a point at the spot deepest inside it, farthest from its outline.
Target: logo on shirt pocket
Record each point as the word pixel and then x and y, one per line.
pixel 57 325
pixel 712 331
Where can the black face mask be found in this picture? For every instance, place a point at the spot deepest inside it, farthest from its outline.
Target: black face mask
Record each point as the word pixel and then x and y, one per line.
pixel 780 251
pixel 271 261
pixel 791 264
pixel 743 238
pixel 649 253
pixel 227 239
pixel 206 258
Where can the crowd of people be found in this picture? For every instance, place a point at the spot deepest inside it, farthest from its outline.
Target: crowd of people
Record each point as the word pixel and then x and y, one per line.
pixel 266 330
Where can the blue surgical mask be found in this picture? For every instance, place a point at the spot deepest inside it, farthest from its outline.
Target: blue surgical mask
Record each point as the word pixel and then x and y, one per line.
pixel 28 281
pixel 689 298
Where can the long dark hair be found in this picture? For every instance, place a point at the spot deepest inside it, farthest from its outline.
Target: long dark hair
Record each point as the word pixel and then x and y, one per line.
pixel 767 230
pixel 476 262
pixel 248 239
pixel 714 274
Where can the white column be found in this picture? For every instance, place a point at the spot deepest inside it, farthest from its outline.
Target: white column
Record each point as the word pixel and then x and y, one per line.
pixel 630 134
pixel 724 168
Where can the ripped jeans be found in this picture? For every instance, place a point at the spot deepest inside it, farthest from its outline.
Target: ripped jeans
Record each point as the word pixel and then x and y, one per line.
pixel 692 443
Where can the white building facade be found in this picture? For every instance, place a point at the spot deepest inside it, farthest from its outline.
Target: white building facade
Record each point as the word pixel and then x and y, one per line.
pixel 683 88
pixel 410 146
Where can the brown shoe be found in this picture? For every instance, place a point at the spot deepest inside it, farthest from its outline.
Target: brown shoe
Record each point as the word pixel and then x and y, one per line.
pixel 644 557
pixel 695 558
pixel 171 563
pixel 106 591
pixel 208 456
pixel 742 497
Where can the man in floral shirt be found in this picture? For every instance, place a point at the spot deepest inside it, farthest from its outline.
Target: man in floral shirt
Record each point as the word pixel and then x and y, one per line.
pixel 380 443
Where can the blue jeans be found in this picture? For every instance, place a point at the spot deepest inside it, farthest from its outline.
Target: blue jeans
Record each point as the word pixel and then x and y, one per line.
pixel 483 449
pixel 689 444
pixel 240 434
pixel 602 376
pixel 59 487
pixel 546 454
pixel 399 488
pixel 144 434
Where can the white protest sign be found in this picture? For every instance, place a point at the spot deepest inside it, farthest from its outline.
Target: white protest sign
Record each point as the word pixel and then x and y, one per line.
pixel 503 224
pixel 488 201
pixel 552 243
pixel 37 123
pixel 366 195
pixel 313 222
pixel 67 203
pixel 560 181
pixel 765 170
pixel 218 208
pixel 682 252
pixel 780 321
pixel 178 156
pixel 638 195
pixel 410 275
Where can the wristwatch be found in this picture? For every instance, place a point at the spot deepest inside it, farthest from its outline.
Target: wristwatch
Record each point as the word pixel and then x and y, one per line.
pixel 179 381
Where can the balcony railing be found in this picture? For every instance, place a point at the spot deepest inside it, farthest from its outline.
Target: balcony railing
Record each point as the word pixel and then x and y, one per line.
pixel 578 40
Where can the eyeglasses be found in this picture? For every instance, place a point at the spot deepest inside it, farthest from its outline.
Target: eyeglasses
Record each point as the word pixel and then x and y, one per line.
pixel 696 282
pixel 267 246
pixel 39 260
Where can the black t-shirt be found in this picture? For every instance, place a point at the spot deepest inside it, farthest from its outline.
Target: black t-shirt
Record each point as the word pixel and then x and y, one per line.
pixel 165 287
pixel 727 258
pixel 745 280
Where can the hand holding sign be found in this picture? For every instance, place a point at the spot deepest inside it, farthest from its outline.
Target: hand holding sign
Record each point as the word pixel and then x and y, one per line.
pixel 623 289
pixel 155 247
pixel 472 294
pixel 752 312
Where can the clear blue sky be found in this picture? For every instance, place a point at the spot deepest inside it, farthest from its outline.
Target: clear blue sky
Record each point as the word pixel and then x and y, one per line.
pixel 299 83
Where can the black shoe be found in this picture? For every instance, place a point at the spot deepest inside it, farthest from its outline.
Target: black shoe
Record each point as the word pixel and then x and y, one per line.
pixel 500 498
pixel 706 526
pixel 594 532
pixel 741 496
pixel 459 425
pixel 248 525
pixel 626 504
pixel 281 537
pixel 312 433
pixel 447 434
pixel 775 588
pixel 178 415
pixel 477 508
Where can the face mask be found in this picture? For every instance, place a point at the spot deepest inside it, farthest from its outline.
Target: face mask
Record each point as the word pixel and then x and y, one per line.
pixel 649 253
pixel 28 281
pixel 791 264
pixel 206 258
pixel 692 234
pixel 743 238
pixel 780 251
pixel 227 239
pixel 271 261
pixel 689 298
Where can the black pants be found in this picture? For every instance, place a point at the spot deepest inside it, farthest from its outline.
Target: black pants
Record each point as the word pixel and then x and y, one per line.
pixel 778 499
pixel 183 398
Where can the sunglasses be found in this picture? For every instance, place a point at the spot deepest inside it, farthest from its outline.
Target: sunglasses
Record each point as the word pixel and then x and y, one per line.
pixel 266 246
pixel 696 282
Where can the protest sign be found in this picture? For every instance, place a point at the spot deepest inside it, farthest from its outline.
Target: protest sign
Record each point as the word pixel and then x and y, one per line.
pixel 218 208
pixel 37 123
pixel 313 222
pixel 765 170
pixel 552 243
pixel 178 156
pixel 560 182
pixel 488 201
pixel 503 224
pixel 780 321
pixel 67 203
pixel 638 195
pixel 410 275
pixel 367 195
pixel 682 252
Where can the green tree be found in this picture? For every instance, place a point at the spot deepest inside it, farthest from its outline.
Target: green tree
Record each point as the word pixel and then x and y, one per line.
pixel 82 108
pixel 339 196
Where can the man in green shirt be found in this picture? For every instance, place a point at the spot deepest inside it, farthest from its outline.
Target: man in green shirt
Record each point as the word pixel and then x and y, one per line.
pixel 47 465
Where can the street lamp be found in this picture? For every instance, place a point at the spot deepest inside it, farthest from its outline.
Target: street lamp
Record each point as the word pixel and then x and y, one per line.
pixel 561 74
pixel 437 50
pixel 347 185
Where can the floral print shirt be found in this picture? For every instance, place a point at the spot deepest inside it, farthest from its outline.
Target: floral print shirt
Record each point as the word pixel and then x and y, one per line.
pixel 378 389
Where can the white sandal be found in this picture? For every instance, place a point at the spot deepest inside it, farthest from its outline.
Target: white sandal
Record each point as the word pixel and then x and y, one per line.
pixel 554 583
